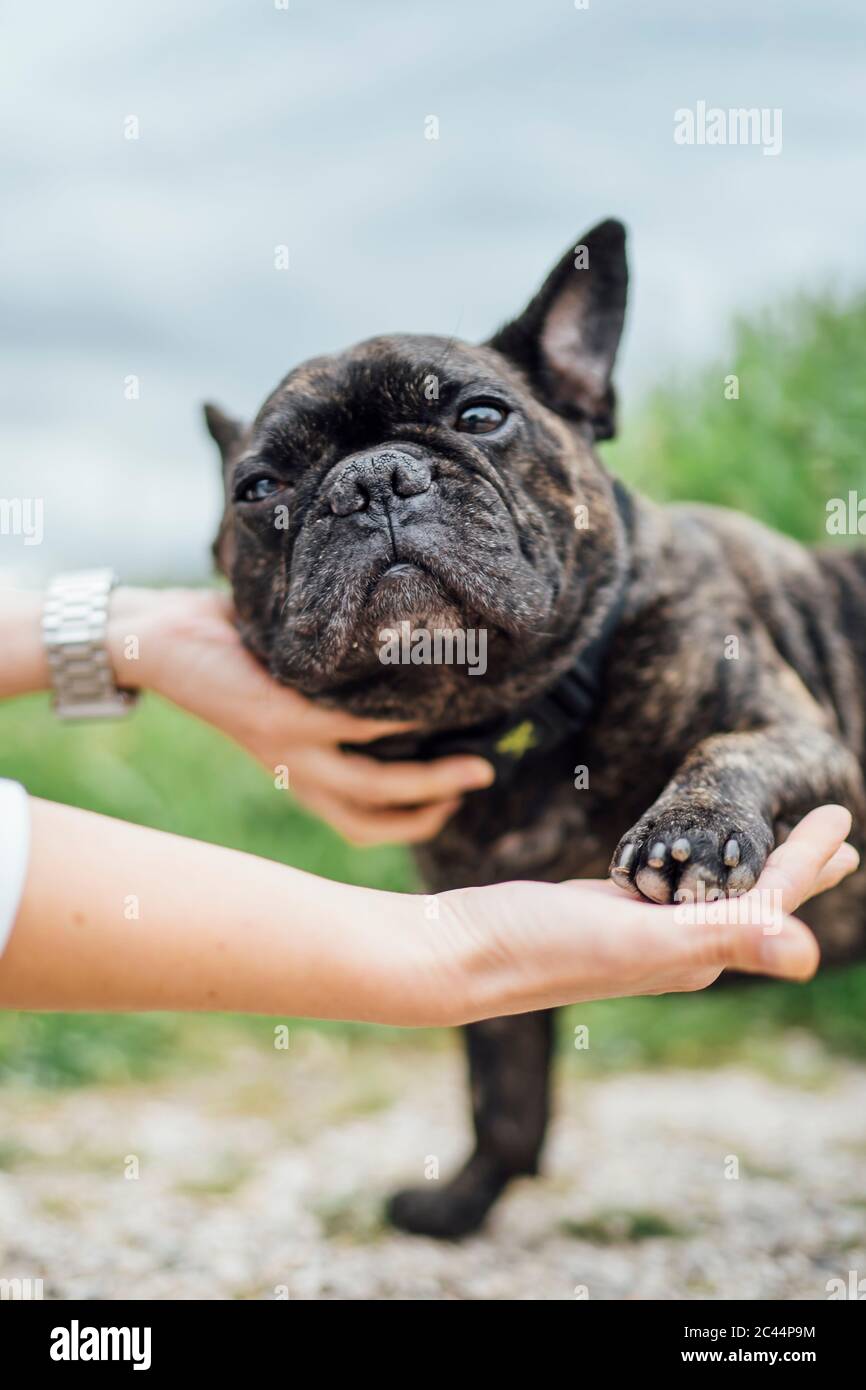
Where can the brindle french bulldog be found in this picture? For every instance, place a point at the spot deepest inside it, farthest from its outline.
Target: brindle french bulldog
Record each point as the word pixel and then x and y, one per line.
pixel 708 673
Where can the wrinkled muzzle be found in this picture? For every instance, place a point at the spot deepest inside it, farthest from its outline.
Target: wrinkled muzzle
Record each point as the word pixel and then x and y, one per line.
pixel 399 535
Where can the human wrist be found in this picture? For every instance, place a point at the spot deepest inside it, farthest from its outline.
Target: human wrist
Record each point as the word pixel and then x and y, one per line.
pixel 495 969
pixel 146 627
pixel 396 959
pixel 131 635
pixel 471 975
pixel 25 665
pixel 397 971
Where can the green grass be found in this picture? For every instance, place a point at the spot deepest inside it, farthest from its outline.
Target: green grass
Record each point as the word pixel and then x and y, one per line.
pixel 795 437
pixel 735 1023
pixel 622 1228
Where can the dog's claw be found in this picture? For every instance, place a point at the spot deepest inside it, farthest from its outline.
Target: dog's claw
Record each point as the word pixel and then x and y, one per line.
pixel 732 854
pixel 623 865
pixel 656 858
pixel 681 849
pixel 621 870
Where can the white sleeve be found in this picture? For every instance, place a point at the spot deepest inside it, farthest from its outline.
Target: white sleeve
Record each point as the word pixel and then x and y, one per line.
pixel 14 853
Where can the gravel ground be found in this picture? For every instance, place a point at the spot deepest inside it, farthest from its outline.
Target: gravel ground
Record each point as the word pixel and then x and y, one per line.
pixel 263 1179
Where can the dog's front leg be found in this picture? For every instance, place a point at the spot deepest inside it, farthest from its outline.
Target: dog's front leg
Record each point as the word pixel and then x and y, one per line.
pixel 716 820
pixel 509 1072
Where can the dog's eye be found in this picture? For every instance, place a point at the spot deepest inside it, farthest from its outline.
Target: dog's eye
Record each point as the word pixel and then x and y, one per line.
pixel 480 417
pixel 257 489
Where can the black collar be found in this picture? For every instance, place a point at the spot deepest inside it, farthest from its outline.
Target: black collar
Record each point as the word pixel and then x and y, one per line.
pixel 545 722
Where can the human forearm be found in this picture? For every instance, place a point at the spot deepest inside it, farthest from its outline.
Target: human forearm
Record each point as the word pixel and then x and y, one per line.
pixel 116 917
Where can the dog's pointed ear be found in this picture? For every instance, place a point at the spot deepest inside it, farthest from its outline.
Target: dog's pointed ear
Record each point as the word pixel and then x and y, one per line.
pixel 226 434
pixel 567 336
pixel 223 430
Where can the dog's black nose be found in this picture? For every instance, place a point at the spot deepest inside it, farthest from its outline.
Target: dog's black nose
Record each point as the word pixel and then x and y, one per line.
pixel 377 476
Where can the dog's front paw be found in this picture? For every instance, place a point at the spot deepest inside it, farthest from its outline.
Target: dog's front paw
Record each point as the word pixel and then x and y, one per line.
pixel 685 850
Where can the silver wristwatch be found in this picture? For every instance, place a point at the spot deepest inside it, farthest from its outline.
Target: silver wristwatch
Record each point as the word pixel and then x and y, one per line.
pixel 74 622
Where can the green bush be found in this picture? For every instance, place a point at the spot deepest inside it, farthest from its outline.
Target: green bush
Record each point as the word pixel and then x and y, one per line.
pixel 794 438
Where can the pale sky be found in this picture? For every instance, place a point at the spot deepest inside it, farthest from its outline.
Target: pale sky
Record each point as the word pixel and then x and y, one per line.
pixel 261 127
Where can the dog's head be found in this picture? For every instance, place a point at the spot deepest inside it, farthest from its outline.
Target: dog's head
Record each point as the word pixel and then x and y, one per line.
pixel 424 481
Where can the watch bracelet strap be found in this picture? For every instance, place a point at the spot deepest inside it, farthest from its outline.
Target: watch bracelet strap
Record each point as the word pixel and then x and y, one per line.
pixel 74 623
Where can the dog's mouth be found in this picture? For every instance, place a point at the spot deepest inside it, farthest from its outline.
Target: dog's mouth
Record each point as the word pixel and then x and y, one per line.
pixel 402 567
pixel 412 590
pixel 395 578
pixel 400 572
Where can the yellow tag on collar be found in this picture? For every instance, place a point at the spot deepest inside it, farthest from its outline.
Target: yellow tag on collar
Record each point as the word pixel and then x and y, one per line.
pixel 518 740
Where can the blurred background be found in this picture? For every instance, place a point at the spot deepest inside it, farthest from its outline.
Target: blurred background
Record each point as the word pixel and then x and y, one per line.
pixel 139 278
pixel 257 127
